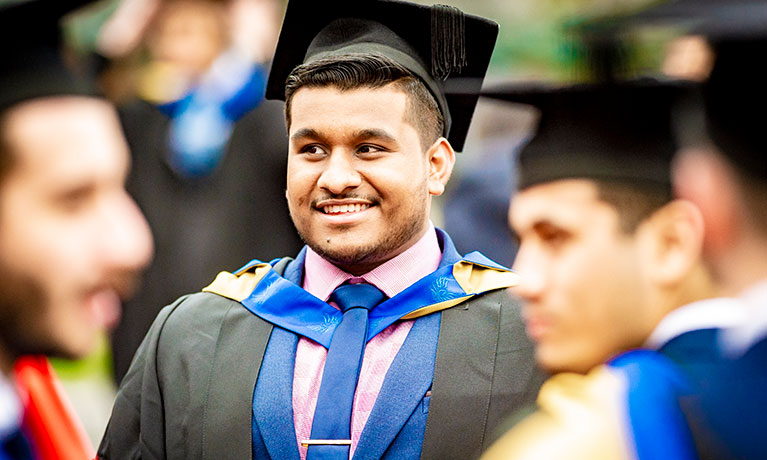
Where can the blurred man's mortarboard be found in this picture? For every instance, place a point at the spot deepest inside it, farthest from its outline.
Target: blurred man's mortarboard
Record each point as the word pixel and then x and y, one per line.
pixel 31 61
pixel 735 97
pixel 727 19
pixel 618 131
pixel 447 49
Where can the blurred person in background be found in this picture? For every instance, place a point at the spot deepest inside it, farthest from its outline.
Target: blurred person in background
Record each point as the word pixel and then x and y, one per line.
pixel 476 207
pixel 607 257
pixel 723 169
pixel 208 151
pixel 72 241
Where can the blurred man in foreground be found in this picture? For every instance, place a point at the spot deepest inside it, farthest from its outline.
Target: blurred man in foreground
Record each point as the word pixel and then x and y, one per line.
pixel 71 240
pixel 606 255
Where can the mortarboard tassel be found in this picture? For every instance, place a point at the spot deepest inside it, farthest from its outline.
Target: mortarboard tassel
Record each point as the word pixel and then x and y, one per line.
pixel 448 46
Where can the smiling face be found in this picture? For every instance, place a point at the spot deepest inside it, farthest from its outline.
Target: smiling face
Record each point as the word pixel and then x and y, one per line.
pixel 359 183
pixel 584 280
pixel 71 239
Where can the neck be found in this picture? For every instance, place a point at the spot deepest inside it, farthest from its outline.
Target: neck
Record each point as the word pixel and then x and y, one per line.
pixel 742 265
pixel 697 285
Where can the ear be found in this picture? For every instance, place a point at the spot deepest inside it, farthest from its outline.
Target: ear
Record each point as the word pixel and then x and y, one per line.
pixel 701 177
pixel 441 158
pixel 673 238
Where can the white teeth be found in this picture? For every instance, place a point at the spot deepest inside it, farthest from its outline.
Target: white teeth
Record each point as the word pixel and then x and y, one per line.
pixel 345 208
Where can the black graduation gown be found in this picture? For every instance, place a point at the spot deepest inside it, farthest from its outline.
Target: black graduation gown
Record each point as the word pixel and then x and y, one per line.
pixel 202 226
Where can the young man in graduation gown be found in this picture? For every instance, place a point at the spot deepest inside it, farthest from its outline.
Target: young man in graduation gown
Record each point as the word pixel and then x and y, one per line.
pixel 71 240
pixel 607 257
pixel 378 340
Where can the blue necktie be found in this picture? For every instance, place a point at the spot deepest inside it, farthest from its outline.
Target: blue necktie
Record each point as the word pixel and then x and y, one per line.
pixel 16 447
pixel 331 427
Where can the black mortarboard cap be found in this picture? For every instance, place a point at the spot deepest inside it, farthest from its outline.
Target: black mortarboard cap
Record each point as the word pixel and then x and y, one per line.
pixel 31 61
pixel 735 97
pixel 736 90
pixel 714 18
pixel 447 49
pixel 619 131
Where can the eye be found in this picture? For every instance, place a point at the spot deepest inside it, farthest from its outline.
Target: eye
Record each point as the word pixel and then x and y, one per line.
pixel 368 149
pixel 552 236
pixel 313 150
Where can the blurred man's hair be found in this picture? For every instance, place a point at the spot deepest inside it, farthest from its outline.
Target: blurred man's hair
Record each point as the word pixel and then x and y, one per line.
pixel 753 193
pixel 354 71
pixel 633 201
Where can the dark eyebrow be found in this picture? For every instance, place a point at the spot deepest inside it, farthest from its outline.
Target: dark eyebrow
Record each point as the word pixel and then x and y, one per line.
pixel 374 134
pixel 370 133
pixel 305 133
pixel 538 224
pixel 543 223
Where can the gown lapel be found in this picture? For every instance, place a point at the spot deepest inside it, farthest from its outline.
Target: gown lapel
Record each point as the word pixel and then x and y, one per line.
pixel 273 398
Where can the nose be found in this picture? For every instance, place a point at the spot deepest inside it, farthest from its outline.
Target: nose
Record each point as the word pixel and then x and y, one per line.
pixel 127 246
pixel 339 174
pixel 532 279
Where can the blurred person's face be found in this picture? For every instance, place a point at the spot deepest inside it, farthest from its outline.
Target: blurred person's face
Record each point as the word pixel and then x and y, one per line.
pixel 254 27
pixel 72 241
pixel 582 278
pixel 188 34
pixel 359 183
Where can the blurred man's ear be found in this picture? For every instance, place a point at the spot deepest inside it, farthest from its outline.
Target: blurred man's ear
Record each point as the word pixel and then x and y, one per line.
pixel 702 177
pixel 673 238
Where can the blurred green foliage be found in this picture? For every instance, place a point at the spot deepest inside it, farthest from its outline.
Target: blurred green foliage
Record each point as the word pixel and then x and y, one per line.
pixel 534 42
pixel 537 40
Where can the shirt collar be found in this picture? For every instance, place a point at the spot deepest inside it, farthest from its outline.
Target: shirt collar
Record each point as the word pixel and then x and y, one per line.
pixel 393 276
pixel 716 313
pixel 753 326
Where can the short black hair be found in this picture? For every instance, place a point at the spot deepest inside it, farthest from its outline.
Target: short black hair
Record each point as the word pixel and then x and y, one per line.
pixel 753 192
pixel 633 201
pixel 354 71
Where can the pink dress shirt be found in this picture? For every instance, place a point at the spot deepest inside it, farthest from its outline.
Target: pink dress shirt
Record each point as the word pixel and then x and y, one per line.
pixel 320 279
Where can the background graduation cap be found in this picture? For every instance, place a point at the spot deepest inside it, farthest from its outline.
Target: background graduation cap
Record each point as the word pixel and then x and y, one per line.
pixel 612 131
pixel 713 18
pixel 31 62
pixel 735 100
pixel 449 50
pixel 735 94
